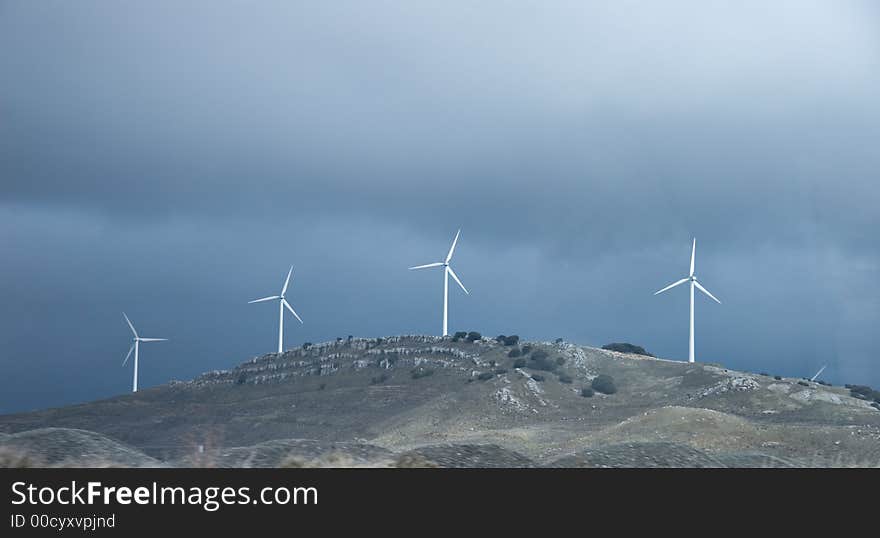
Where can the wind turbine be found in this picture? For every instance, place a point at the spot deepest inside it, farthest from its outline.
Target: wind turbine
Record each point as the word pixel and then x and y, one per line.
pixel 694 283
pixel 282 303
pixel 447 271
pixel 822 369
pixel 135 346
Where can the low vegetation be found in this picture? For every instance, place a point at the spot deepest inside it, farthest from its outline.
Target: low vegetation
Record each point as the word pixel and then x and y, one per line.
pixel 864 392
pixel 604 383
pixel 624 347
pixel 540 360
pixel 587 392
pixel 15 459
pixel 381 378
pixel 420 372
pixel 565 378
pixel 485 376
pixel 519 363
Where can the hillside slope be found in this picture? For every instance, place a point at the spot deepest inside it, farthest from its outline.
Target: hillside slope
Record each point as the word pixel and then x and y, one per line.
pixel 406 393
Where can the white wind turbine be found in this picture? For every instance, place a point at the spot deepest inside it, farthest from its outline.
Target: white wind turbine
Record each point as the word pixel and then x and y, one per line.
pixel 822 369
pixel 447 271
pixel 282 303
pixel 694 283
pixel 135 346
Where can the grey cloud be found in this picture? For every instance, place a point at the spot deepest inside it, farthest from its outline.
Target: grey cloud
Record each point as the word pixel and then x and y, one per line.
pixel 176 159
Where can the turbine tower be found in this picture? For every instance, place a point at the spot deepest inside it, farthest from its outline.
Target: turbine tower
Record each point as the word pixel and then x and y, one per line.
pixel 694 283
pixel 135 346
pixel 282 303
pixel 447 272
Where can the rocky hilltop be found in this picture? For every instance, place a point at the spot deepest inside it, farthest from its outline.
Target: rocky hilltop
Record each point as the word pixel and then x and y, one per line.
pixel 463 401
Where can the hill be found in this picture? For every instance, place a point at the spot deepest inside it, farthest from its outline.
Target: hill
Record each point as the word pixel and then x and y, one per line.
pixel 448 402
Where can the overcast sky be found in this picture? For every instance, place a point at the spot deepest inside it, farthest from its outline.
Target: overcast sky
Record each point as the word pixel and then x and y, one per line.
pixel 172 160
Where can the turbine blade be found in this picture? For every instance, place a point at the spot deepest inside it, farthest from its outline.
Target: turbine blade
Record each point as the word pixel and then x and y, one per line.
pixel 669 287
pixel 822 369
pixel 130 325
pixel 438 264
pixel 286 282
pixel 128 355
pixel 693 255
pixel 292 311
pixel 454 276
pixel 264 299
pixel 153 339
pixel 452 248
pixel 704 290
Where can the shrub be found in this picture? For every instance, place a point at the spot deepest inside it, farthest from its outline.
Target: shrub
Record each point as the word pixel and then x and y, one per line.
pixel 526 349
pixel 624 347
pixel 322 386
pixel 380 378
pixel 473 336
pixel 338 339
pixel 500 371
pixel 803 383
pixel 511 340
pixel 560 360
pixel 492 363
pixel 538 377
pixel 519 363
pixel 559 340
pixel 242 377
pixel 858 395
pixel 765 374
pixel 587 392
pixel 307 345
pixel 485 376
pixel 565 378
pixel 861 389
pixel 500 338
pixel 420 372
pixel 604 383
pixel 876 406
pixel 460 335
pixel 379 340
pixel 541 361
pixel 777 377
pixel 515 352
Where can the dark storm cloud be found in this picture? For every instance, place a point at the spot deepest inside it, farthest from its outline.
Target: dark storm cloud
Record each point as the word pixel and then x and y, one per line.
pixel 175 159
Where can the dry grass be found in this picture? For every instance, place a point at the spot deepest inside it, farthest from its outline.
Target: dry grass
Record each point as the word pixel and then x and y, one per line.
pixel 336 460
pixel 11 458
